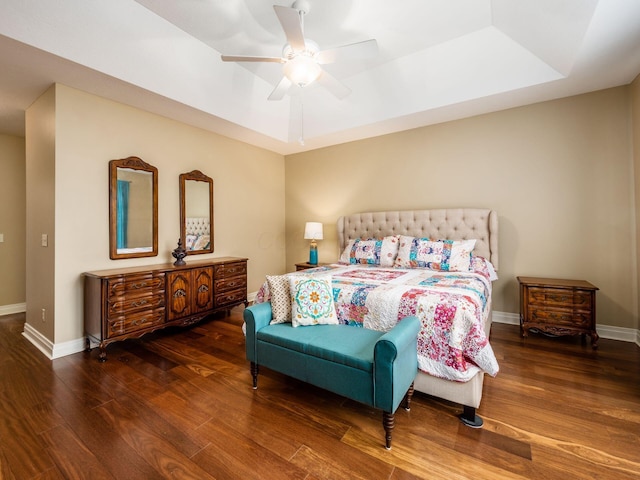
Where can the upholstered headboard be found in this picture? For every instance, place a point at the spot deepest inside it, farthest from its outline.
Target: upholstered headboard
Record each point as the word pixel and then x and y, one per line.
pixel 197 226
pixel 446 223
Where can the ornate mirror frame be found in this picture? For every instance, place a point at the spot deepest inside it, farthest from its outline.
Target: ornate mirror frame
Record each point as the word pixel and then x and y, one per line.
pixel 142 193
pixel 190 213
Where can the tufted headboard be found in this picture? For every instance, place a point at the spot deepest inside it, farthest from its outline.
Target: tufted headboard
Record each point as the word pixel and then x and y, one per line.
pixel 197 226
pixel 446 223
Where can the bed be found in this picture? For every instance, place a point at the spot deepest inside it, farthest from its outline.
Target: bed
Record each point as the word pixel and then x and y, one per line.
pixel 380 278
pixel 198 233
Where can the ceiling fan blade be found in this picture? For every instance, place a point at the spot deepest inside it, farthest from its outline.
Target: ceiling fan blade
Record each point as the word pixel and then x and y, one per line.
pixel 281 89
pixel 334 85
pixel 242 58
pixel 353 51
pixel 290 21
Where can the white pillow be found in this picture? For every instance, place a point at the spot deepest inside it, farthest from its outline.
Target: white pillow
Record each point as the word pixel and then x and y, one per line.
pixel 280 298
pixel 371 251
pixel 312 300
pixel 441 255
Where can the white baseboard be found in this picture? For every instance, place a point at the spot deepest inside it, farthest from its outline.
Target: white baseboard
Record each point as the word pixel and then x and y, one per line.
pixel 49 349
pixel 11 309
pixel 605 331
pixel 41 342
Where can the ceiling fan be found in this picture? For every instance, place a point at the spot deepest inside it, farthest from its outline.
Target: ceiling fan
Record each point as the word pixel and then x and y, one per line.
pixel 302 58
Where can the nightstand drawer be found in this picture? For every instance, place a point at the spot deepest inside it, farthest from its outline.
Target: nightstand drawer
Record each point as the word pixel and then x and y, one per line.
pixel 559 297
pixel 566 318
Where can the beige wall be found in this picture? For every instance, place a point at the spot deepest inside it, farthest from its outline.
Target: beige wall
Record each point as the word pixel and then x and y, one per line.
pixel 40 180
pixel 12 221
pixel 635 132
pixel 558 173
pixel 90 131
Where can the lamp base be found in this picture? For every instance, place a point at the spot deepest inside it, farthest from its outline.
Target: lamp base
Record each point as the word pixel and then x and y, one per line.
pixel 313 255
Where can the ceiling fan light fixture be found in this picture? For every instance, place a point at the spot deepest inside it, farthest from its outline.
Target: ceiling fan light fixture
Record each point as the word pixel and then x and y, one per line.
pixel 302 70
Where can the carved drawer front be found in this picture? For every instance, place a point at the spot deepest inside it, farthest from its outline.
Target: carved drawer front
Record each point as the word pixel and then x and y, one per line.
pixel 134 322
pixel 560 317
pixel 135 303
pixel 134 284
pixel 559 297
pixel 233 296
pixel 233 283
pixel 230 269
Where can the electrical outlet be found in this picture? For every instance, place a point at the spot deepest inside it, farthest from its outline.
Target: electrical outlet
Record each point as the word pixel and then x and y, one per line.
pixel 44 315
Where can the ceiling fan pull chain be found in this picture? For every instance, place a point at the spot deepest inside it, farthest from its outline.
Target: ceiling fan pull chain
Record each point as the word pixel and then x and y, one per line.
pixel 301 139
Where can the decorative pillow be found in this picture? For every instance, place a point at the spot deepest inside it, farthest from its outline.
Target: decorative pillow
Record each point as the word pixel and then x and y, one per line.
pixel 280 298
pixel 312 300
pixel 202 243
pixel 442 255
pixel 190 240
pixel 371 251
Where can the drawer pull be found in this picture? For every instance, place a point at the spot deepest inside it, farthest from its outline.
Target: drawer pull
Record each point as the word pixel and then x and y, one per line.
pixel 203 288
pixel 139 285
pixel 180 293
pixel 139 304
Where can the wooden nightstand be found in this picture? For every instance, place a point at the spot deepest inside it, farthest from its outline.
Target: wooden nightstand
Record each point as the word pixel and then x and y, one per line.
pixel 306 265
pixel 558 307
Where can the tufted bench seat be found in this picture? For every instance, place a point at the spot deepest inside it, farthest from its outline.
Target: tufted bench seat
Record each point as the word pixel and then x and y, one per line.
pixel 370 367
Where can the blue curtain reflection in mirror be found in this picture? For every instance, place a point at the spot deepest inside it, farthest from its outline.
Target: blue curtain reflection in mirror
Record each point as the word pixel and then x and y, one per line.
pixel 122 213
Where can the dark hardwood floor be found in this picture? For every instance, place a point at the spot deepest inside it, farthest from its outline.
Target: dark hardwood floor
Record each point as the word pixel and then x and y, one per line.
pixel 179 404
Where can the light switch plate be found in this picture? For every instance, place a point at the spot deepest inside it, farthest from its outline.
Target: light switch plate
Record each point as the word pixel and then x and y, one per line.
pixel 1 237
pixel 45 239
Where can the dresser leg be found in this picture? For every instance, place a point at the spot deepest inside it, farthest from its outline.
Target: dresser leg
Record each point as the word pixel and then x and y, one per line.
pixel 594 340
pixel 103 353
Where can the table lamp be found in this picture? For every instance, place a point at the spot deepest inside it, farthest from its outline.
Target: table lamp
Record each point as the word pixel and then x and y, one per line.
pixel 313 232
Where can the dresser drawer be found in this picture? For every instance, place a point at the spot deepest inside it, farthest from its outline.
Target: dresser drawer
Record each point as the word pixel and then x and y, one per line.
pixel 134 284
pixel 233 296
pixel 230 269
pixel 135 303
pixel 134 322
pixel 559 297
pixel 232 283
pixel 565 318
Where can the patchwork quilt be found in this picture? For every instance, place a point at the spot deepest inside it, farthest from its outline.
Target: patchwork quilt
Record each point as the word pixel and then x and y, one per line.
pixel 452 307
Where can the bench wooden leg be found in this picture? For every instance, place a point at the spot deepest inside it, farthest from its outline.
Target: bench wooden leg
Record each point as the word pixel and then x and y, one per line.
pixel 254 374
pixel 388 422
pixel 406 403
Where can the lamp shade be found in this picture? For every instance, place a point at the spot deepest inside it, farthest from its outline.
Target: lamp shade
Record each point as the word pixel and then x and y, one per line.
pixel 313 231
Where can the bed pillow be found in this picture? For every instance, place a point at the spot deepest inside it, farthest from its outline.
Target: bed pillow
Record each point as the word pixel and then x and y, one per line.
pixel 280 298
pixel 441 255
pixel 371 251
pixel 312 300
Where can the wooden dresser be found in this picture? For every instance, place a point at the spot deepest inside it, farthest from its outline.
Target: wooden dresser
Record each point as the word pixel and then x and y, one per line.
pixel 558 307
pixel 129 302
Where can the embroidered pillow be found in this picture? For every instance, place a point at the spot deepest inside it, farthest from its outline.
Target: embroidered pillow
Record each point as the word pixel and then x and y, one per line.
pixel 371 251
pixel 312 300
pixel 280 298
pixel 442 255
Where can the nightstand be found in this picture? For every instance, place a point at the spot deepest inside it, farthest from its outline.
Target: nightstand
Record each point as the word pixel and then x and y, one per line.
pixel 558 307
pixel 306 265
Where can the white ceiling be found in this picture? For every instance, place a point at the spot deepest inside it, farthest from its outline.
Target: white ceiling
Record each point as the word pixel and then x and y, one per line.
pixel 438 60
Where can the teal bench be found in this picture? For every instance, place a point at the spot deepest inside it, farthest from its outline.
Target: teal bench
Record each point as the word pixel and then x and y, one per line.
pixel 371 367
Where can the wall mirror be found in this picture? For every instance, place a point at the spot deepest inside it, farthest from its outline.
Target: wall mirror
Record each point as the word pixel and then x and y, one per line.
pixel 133 209
pixel 196 212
